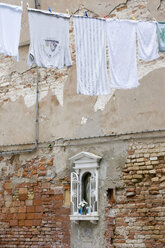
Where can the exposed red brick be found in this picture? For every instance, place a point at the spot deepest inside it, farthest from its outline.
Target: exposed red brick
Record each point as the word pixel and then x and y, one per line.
pixel 30 209
pixel 36 222
pixel 23 197
pixel 22 209
pixel 42 168
pixel 145 209
pixel 38 216
pixel 34 204
pixel 42 173
pixel 134 11
pixel 121 8
pixel 141 6
pixel 58 197
pixel 37 202
pixel 131 152
pixel 38 209
pixel 28 222
pixel 30 216
pixel 1 158
pixel 21 216
pixel 21 222
pixel 46 185
pixel 13 222
pixel 34 172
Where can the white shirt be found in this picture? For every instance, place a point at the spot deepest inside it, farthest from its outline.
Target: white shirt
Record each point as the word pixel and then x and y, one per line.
pixel 49 39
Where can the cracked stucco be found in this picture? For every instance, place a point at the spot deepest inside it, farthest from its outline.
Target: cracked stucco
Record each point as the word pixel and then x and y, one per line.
pixel 156 8
pixel 63 113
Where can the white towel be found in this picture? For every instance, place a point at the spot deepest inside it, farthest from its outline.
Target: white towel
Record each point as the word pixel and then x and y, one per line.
pixel 90 40
pixel 10 27
pixel 122 53
pixel 147 41
pixel 49 39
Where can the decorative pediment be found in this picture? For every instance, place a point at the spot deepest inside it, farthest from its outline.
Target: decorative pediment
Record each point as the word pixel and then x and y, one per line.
pixel 85 159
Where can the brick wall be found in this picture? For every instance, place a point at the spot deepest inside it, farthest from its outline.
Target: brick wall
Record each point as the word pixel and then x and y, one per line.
pixel 139 210
pixel 35 201
pixel 33 208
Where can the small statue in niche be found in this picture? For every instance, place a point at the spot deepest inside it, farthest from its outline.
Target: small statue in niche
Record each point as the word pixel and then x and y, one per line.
pixel 87 188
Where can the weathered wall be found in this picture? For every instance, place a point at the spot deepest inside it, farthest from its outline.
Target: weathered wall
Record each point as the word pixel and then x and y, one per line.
pixel 34 203
pixel 35 195
pixel 63 113
pixel 137 217
pixel 35 188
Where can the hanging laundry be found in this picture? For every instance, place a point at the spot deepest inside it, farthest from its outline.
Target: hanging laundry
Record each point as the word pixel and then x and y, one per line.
pixel 147 41
pixel 122 53
pixel 161 36
pixel 90 40
pixel 49 39
pixel 10 27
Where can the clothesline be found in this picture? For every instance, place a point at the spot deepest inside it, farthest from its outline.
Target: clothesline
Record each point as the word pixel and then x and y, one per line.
pixel 49 45
pixel 67 15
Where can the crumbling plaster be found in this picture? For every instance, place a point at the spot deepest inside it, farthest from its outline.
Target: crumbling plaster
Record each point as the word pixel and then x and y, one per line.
pixel 63 113
pixel 156 7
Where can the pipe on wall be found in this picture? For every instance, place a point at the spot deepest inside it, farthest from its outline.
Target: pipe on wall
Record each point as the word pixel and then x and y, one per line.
pixel 14 152
pixel 37 5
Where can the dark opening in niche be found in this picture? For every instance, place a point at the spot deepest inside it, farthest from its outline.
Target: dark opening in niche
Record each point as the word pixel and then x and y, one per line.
pixel 110 196
pixel 86 188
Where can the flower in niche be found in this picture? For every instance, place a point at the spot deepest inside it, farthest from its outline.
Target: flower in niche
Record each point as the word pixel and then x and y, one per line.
pixel 83 203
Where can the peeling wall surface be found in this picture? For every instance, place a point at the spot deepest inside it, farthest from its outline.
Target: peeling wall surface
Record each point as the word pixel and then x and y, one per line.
pixel 35 195
pixel 61 109
pixel 126 128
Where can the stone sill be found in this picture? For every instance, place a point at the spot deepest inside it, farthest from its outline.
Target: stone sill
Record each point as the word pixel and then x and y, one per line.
pixel 92 218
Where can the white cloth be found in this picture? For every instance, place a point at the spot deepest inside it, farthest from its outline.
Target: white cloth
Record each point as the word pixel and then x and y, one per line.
pixel 10 27
pixel 147 41
pixel 49 39
pixel 90 41
pixel 161 36
pixel 122 53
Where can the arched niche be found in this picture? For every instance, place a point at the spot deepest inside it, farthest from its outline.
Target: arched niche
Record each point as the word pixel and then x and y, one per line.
pixel 84 186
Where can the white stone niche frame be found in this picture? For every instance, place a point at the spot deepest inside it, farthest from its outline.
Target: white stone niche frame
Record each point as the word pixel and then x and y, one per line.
pixel 84 162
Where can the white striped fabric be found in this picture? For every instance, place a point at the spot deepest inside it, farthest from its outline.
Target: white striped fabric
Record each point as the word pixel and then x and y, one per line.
pixel 90 41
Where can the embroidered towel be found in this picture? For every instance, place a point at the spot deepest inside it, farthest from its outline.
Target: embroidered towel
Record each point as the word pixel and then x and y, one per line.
pixel 49 39
pixel 90 41
pixel 10 27
pixel 161 36
pixel 122 53
pixel 147 41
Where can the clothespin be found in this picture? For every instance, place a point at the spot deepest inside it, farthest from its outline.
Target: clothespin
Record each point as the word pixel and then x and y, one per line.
pixel 86 14
pixel 49 9
pixel 27 5
pixel 105 16
pixel 155 19
pixel 21 3
pixel 133 18
pixel 67 10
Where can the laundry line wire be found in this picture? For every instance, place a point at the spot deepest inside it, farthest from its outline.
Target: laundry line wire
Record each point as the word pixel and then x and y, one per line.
pixel 68 15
